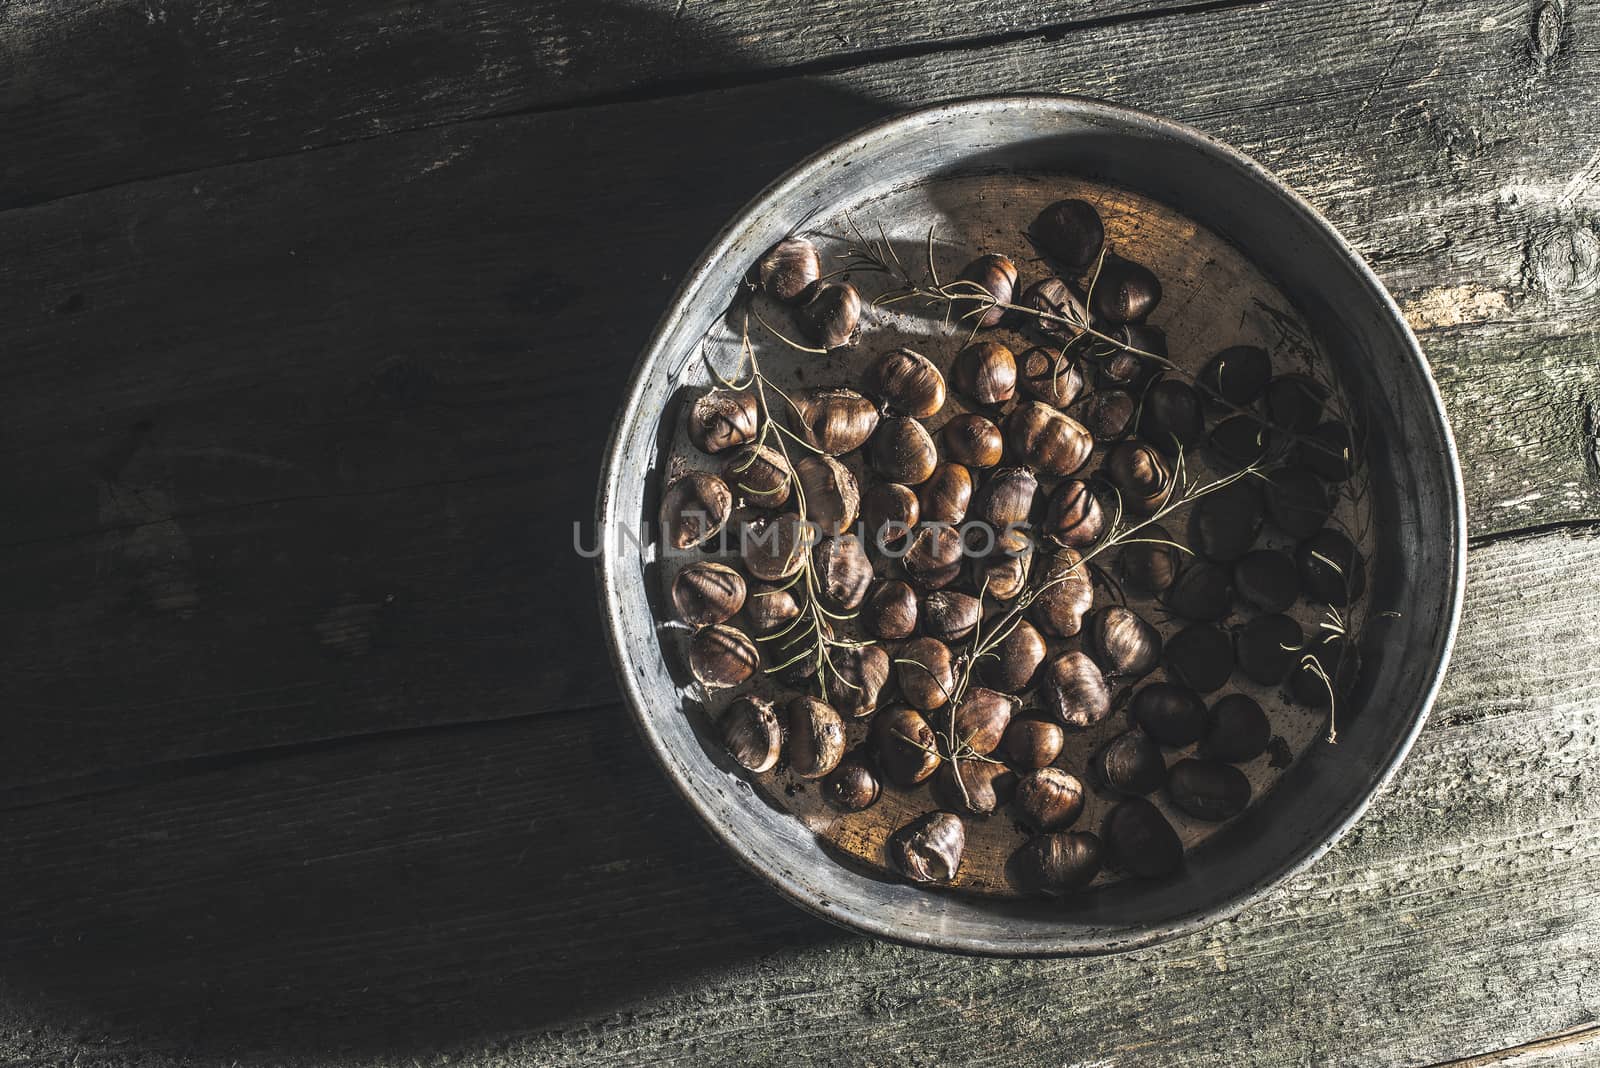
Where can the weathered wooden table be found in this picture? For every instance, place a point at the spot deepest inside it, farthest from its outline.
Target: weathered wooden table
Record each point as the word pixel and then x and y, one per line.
pixel 312 321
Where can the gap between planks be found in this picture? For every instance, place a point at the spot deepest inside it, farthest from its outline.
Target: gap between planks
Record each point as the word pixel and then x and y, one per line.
pixel 1566 1043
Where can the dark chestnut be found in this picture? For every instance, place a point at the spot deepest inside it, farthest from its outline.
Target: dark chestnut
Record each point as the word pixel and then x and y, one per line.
pixel 1074 516
pixel 1200 656
pixel 980 720
pixel 1134 359
pixel 1174 715
pixel 853 785
pixel 1050 376
pixel 1239 441
pixel 907 383
pixel 1294 402
pixel 1065 596
pixel 1141 476
pixel 1297 502
pixel 1007 498
pixel 1004 572
pixel 972 440
pixel 1150 564
pixel 830 315
pixel 1123 642
pixel 770 607
pixel 1267 579
pixel 752 734
pixel 1107 413
pixel 1031 742
pixel 774 547
pixel 1237 375
pixel 890 512
pixel 722 419
pixel 929 848
pixel 1268 648
pixel 1224 523
pixel 1013 662
pixel 950 616
pixel 891 610
pixel 986 371
pixel 836 421
pixel 1203 591
pixel 720 656
pixel 996 275
pixel 903 451
pixel 925 671
pixel 1331 568
pixel 857 680
pixel 1237 730
pixel 694 509
pixel 705 593
pixel 905 745
pixel 759 473
pixel 788 269
pixel 1070 234
pixel 1058 863
pixel 1123 292
pixel 1131 763
pixel 944 496
pixel 832 497
pixel 1327 452
pixel 1208 789
pixel 816 737
pixel 1170 417
pixel 934 559
pixel 1337 667
pixel 1049 799
pixel 843 571
pixel 1074 691
pixel 1048 439
pixel 1140 841
pixel 974 787
pixel 1062 315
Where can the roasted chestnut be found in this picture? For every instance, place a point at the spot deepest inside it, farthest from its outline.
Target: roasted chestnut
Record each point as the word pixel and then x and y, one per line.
pixel 760 472
pixel 1031 742
pixel 1267 579
pixel 1004 572
pixel 1150 564
pixel 1203 591
pixel 928 849
pixel 722 419
pixel 770 607
pixel 1200 656
pixel 1123 292
pixel 1331 568
pixel 903 451
pixel 1065 596
pixel 1134 359
pixel 1140 475
pixel 774 547
pixel 1174 715
pixel 1208 789
pixel 1061 315
pixel 752 734
pixel 1074 691
pixel 835 420
pixel 986 371
pixel 981 718
pixel 831 495
pixel 853 785
pixel 1140 841
pixel 694 509
pixel 843 571
pixel 1048 439
pixel 1237 730
pixel 934 559
pixel 997 276
pixel 950 616
pixel 891 610
pixel 1268 648
pixel 1074 516
pixel 890 512
pixel 1237 375
pixel 1239 441
pixel 1170 417
pixel 860 672
pixel 1050 376
pixel 720 655
pixel 1049 799
pixel 789 268
pixel 705 593
pixel 1057 863
pixel 1131 763
pixel 1070 233
pixel 1007 498
pixel 1297 502
pixel 1224 524
pixel 816 737
pixel 905 745
pixel 1294 402
pixel 1326 450
pixel 972 440
pixel 830 314
pixel 1012 663
pixel 925 671
pixel 907 383
pixel 1107 413
pixel 975 787
pixel 1123 642
pixel 944 496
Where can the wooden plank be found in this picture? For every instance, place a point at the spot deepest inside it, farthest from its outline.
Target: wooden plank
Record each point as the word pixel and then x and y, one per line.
pixel 242 410
pixel 109 91
pixel 1580 1046
pixel 531 893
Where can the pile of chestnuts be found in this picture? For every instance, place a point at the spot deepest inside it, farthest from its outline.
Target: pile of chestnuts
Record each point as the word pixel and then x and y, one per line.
pixel 977 581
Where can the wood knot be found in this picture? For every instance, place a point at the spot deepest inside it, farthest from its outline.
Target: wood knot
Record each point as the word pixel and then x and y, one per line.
pixel 1564 262
pixel 1549 27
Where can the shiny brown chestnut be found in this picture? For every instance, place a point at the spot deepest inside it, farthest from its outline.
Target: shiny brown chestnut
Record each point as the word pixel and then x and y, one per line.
pixel 1140 475
pixel 974 787
pixel 722 419
pixel 1151 564
pixel 1203 592
pixel 752 734
pixel 907 383
pixel 816 737
pixel 1049 799
pixel 856 683
pixel 1208 789
pixel 1267 579
pixel 1237 375
pixel 1237 730
pixel 836 421
pixel 1200 656
pixel 1331 568
pixel 891 610
pixel 972 440
pixel 925 671
pixel 1004 572
pixel 980 720
pixel 694 509
pixel 774 547
pixel 760 474
pixel 890 512
pixel 986 371
pixel 1170 417
pixel 996 275
pixel 1048 439
pixel 788 268
pixel 934 558
pixel 1074 691
pixel 1123 642
pixel 1268 648
pixel 1174 715
pixel 928 849
pixel 853 786
pixel 770 607
pixel 721 656
pixel 1007 498
pixel 1061 314
pixel 1107 413
pixel 944 496
pixel 903 451
pixel 1050 376
pixel 832 497
pixel 1140 841
pixel 1224 524
pixel 905 744
pixel 1014 660
pixel 1070 233
pixel 950 616
pixel 705 593
pixel 1058 863
pixel 1074 516
pixel 1065 596
pixel 1131 763
pixel 1031 742
pixel 830 315
pixel 1124 292
pixel 843 571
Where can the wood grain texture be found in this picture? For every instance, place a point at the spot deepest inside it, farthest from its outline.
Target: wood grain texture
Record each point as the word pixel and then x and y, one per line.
pixel 529 893
pixel 314 431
